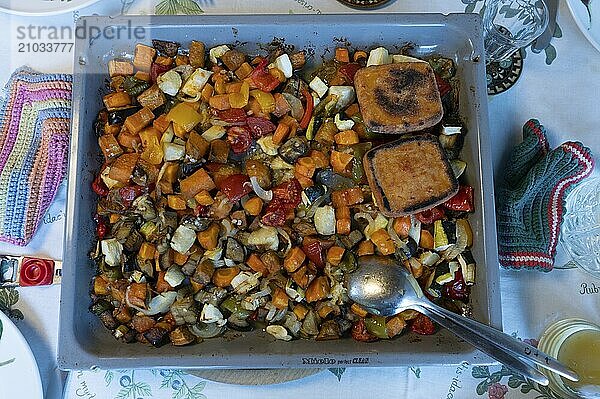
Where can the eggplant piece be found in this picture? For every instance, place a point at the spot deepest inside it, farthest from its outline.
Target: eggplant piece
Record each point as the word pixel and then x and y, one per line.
pixel 452 144
pixel 195 223
pixel 133 242
pixel 184 311
pixel 129 336
pixel 234 251
pixel 181 336
pixel 156 336
pixel 134 86
pixel 166 48
pixel 407 248
pixel 444 234
pixel 351 239
pixel 333 181
pixel 101 306
pixel 108 320
pixel 467 265
pixel 329 330
pixel 293 149
pixel 188 168
pixel 312 193
pixel 118 117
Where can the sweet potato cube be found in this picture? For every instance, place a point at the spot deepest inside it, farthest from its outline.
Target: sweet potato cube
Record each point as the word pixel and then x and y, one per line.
pixel 204 198
pixel 197 54
pixel 279 298
pixel 366 248
pixel 334 255
pixel 243 70
pixel 347 137
pixel 294 259
pixel 152 98
pixel 122 168
pixel 208 238
pixel 198 181
pixel 119 68
pixel 141 75
pixel 147 251
pixel 139 120
pixel 222 276
pixel 161 123
pixel 176 202
pixel 257 264
pixel 109 146
pixel 340 161
pixel 253 206
pixel 143 57
pixel 116 100
pixel 300 311
pixel 196 146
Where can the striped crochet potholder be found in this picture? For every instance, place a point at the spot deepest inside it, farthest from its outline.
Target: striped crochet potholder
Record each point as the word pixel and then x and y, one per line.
pixel 530 202
pixel 35 115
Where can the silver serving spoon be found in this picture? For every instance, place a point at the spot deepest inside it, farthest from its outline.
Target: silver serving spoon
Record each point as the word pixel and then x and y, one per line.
pixel 385 288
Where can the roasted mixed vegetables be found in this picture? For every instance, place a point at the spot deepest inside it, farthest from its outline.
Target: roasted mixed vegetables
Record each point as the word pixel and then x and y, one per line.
pixel 232 195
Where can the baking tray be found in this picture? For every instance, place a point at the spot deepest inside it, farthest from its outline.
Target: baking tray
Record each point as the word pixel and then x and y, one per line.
pixel 85 343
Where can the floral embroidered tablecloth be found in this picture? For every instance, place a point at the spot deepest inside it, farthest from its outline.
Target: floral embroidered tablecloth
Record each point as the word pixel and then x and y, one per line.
pixel 559 86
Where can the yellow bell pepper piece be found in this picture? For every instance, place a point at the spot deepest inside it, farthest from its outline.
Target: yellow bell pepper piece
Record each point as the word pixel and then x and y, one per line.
pixel 266 100
pixel 240 99
pixel 185 116
pixel 153 152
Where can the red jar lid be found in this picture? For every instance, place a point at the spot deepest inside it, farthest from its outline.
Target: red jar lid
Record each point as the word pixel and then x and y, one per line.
pixel 36 271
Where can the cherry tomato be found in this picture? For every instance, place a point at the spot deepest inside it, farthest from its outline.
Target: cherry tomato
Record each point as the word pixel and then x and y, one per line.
pixel 99 187
pixel 314 251
pixel 462 201
pixel 202 210
pixel 430 215
pixel 422 325
pixel 349 70
pixel 240 138
pixel 457 288
pixel 260 126
pixel 360 333
pixel 289 192
pixel 443 86
pixel 157 69
pixel 275 213
pixel 235 186
pixel 261 77
pixel 129 193
pixel 235 116
pixel 101 228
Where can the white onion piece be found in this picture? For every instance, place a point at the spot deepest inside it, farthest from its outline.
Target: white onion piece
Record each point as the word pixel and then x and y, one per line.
pixel 159 304
pixel 264 195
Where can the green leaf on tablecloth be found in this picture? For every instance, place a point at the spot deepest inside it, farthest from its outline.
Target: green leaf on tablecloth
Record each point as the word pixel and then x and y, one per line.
pixel 416 371
pixel 169 376
pixel 142 389
pixel 514 381
pixel 470 8
pixel 557 32
pixel 199 387
pixel 8 298
pixel 496 377
pixel 108 377
pixel 550 54
pixel 338 372
pixel 505 371
pixel 526 387
pixel 480 372
pixel 482 387
pixel 176 7
pixel 154 372
pixel 1 329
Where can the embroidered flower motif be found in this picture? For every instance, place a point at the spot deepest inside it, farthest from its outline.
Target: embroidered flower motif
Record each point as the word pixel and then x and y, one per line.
pixel 497 391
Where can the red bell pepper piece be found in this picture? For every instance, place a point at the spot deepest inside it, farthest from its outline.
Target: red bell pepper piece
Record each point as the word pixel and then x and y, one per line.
pixel 235 116
pixel 430 215
pixel 236 186
pixel 99 187
pixel 462 201
pixel 130 193
pixel 262 79
pixel 314 251
pixel 308 109
pixel 349 70
pixel 240 138
pixel 443 86
pixel 260 126
pixel 422 325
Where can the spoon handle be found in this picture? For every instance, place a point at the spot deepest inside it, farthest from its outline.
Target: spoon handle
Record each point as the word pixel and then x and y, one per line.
pixel 511 344
pixel 485 344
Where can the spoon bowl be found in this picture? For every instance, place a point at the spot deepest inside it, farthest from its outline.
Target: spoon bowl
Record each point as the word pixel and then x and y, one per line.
pixel 384 287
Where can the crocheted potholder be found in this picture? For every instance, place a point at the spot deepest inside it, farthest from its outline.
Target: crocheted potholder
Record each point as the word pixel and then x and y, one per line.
pixel 34 139
pixel 530 203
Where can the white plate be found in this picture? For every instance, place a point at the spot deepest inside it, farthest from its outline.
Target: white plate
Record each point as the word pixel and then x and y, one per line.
pixel 19 374
pixel 590 30
pixel 42 7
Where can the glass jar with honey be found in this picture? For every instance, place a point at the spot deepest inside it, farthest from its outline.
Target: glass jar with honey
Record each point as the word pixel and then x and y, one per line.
pixel 576 344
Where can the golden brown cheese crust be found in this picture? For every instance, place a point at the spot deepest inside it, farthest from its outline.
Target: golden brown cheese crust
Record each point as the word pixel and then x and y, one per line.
pixel 398 98
pixel 409 175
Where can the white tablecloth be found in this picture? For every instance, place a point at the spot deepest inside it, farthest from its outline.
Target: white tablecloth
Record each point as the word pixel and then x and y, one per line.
pixel 562 95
